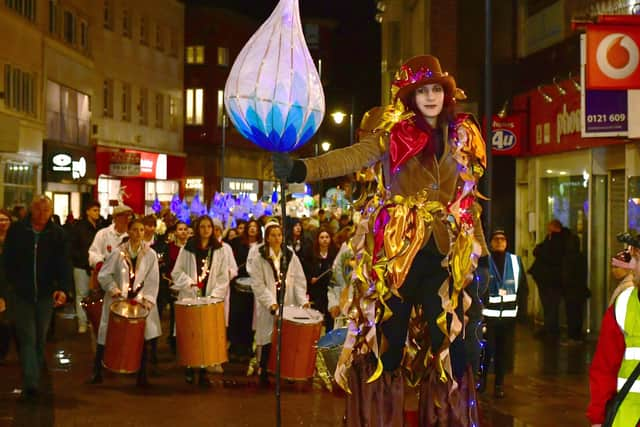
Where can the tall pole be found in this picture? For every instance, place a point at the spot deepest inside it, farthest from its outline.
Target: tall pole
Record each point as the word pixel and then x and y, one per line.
pixel 223 150
pixel 281 289
pixel 488 113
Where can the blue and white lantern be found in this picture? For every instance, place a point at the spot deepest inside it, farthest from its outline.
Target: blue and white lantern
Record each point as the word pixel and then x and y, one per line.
pixel 273 95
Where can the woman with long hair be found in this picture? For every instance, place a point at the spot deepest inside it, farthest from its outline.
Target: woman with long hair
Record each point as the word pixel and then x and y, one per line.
pixel 423 246
pixel 132 273
pixel 241 304
pixel 263 264
pixel 201 270
pixel 319 269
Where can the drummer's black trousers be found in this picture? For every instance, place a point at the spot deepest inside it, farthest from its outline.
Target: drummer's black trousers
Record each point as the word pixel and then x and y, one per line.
pixel 240 331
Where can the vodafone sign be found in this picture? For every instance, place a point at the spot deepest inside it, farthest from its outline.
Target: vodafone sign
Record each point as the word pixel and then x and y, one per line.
pixel 613 57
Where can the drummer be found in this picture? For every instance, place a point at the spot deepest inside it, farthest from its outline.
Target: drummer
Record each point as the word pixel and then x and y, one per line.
pixel 263 265
pixel 130 272
pixel 201 270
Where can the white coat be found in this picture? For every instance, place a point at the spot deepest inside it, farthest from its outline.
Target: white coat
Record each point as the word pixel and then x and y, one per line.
pixel 263 285
pixel 185 274
pixel 115 274
pixel 104 243
pixel 233 272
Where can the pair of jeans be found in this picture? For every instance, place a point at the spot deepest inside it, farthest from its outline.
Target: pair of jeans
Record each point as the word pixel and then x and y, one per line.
pixel 81 280
pixel 32 320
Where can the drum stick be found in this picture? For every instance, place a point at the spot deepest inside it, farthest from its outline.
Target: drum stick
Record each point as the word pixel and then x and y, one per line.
pixel 328 271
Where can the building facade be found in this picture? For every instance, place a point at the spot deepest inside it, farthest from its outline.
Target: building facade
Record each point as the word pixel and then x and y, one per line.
pixel 82 78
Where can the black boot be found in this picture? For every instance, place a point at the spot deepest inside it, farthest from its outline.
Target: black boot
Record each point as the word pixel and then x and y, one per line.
pixel 142 380
pixel 96 378
pixel 204 380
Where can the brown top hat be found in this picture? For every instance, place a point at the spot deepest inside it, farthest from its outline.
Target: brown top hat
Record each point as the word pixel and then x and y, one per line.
pixel 419 71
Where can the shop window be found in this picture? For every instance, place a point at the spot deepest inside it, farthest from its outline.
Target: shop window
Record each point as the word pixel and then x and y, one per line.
pixel 108 194
pixel 25 8
pixel 143 106
pixel 126 102
pixel 195 106
pixel 163 190
pixel 634 203
pixel 20 90
pixel 566 198
pixel 159 110
pixel 107 98
pixel 223 56
pixel 19 184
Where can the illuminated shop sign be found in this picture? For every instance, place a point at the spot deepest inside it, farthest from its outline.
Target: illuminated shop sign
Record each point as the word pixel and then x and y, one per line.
pixel 63 165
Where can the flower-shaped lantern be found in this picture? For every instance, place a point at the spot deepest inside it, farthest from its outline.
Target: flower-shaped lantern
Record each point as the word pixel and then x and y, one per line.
pixel 273 95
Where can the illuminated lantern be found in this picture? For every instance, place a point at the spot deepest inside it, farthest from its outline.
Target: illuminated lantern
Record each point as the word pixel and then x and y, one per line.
pixel 273 94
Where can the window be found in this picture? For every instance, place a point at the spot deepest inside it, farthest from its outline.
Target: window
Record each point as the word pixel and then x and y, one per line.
pixel 20 90
pixel 173 44
pixel 68 114
pixel 159 110
pixel 223 56
pixel 84 34
pixel 220 113
pixel 194 110
pixel 144 35
pixel 69 27
pixel 143 106
pixel 53 16
pixel 173 114
pixel 26 8
pixel 126 102
pixel 195 55
pixel 159 40
pixel 107 98
pixel 108 14
pixel 126 23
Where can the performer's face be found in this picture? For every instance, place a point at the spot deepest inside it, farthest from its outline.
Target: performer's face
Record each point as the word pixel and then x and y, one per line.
pixel 182 232
pixel 205 229
pixel 136 231
pixel 274 239
pixel 429 100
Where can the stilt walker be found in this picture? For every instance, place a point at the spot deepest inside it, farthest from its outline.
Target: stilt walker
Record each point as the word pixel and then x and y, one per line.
pixel 274 98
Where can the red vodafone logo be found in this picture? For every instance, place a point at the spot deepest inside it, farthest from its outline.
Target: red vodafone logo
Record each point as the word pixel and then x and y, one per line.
pixel 613 57
pixel 617 56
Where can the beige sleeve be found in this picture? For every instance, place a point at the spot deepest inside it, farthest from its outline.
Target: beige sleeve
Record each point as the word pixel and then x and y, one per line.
pixel 346 160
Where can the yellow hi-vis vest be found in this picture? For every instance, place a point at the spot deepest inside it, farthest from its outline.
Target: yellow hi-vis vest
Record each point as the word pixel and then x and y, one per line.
pixel 627 311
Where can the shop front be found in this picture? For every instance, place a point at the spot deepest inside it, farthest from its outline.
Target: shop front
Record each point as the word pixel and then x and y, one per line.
pixel 137 178
pixel 582 182
pixel 68 177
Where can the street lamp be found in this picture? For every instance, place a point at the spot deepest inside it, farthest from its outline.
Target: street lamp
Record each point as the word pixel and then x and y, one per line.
pixel 338 117
pixel 326 146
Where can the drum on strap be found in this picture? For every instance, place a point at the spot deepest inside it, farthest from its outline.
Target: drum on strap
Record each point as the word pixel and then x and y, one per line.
pixel 92 305
pixel 242 284
pixel 301 329
pixel 200 332
pixel 125 337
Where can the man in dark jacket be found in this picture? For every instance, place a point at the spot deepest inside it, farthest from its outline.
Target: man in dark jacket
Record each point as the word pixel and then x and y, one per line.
pixel 38 267
pixel 81 237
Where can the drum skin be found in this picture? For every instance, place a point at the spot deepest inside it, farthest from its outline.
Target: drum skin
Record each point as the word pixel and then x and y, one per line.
pixel 125 337
pixel 301 330
pixel 200 332
pixel 92 305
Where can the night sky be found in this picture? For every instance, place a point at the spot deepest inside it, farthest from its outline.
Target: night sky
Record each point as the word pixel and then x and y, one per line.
pixel 354 71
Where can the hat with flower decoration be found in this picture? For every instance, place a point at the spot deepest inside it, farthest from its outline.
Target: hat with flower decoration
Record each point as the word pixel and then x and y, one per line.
pixel 419 71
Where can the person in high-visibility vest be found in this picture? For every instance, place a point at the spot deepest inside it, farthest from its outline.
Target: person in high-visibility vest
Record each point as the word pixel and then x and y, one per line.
pixel 618 352
pixel 507 286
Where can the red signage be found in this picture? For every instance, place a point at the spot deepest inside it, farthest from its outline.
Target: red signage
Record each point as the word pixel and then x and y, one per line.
pixel 152 165
pixel 555 121
pixel 507 135
pixel 613 56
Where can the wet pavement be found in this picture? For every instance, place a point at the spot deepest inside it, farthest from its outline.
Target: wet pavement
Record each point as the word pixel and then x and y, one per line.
pixel 548 388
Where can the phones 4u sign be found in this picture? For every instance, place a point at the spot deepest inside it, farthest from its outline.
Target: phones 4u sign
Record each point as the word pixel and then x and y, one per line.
pixel 506 137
